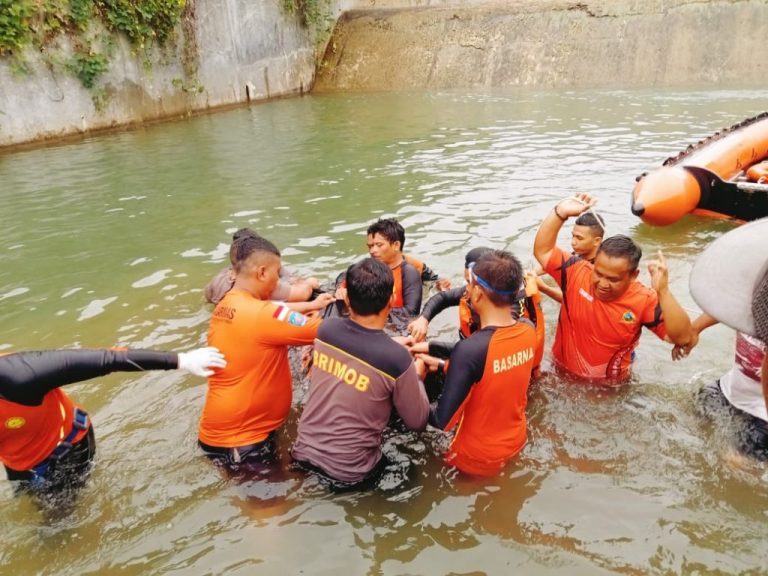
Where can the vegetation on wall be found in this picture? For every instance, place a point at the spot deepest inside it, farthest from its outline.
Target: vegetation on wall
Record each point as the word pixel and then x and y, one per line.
pixel 38 23
pixel 314 14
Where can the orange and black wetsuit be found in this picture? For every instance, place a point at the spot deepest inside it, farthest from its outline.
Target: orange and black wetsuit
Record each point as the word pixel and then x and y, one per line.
pixel 45 439
pixel 485 395
pixel 425 272
pixel 528 307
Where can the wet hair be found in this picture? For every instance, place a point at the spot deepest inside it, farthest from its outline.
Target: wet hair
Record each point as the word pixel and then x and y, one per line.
pixel 369 286
pixel 239 235
pixel 246 246
pixel 593 221
pixel 503 274
pixel 475 254
pixel 390 229
pixel 620 246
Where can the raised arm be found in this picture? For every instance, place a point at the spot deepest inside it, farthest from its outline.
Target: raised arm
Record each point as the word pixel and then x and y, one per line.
pixel 676 320
pixel 546 237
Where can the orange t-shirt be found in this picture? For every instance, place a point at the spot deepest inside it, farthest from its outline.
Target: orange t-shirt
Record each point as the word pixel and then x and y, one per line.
pixel 595 339
pixel 251 397
pixel 30 433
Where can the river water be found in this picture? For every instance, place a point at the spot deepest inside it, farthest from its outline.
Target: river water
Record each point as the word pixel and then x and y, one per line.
pixel 109 241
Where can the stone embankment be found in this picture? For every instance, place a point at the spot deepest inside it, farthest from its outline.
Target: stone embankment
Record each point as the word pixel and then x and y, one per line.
pixel 549 43
pixel 235 51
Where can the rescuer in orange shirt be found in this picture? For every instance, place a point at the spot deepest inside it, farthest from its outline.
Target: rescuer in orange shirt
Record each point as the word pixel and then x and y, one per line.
pixel 486 384
pixel 604 306
pixel 250 399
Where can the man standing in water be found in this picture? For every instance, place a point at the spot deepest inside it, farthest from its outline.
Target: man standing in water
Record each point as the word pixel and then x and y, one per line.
pixel 586 235
pixel 741 303
pixel 47 443
pixel 358 374
pixel 604 306
pixel 486 385
pixel 249 400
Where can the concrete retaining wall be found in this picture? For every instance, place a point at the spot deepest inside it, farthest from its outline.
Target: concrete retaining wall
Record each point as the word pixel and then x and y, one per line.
pixel 610 43
pixel 245 50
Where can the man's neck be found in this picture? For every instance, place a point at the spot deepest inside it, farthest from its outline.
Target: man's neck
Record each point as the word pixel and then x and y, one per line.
pixel 372 322
pixel 496 316
pixel 396 261
pixel 248 286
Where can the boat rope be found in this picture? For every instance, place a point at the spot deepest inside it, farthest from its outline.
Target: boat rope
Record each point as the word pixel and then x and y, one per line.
pixel 672 160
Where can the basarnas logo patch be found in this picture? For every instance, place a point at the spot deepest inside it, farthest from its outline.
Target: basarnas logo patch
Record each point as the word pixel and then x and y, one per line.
pixel 629 317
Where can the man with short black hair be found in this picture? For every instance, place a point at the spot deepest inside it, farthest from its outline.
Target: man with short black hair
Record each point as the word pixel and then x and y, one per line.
pixel 358 374
pixel 386 238
pixel 604 306
pixel 250 399
pixel 486 384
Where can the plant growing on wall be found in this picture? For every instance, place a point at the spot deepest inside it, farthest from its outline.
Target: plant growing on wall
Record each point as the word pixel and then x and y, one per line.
pixel 314 14
pixel 38 22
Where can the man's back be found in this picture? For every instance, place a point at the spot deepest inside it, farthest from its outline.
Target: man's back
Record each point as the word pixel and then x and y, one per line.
pixel 252 395
pixel 358 375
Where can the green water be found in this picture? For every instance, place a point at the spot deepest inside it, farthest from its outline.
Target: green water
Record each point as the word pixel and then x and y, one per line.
pixel 110 241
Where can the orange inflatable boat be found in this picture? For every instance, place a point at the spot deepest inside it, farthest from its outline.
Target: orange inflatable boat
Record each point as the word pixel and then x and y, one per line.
pixel 723 176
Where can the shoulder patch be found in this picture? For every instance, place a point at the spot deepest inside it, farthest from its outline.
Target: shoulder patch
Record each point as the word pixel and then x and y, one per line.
pixel 297 319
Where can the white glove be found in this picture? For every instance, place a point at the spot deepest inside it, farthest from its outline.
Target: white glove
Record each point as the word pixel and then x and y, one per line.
pixel 201 361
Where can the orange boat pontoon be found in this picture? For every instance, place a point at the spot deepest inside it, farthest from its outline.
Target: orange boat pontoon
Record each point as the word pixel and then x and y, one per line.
pixel 723 176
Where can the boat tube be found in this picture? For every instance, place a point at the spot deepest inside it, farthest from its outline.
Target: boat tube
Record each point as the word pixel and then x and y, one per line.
pixel 722 176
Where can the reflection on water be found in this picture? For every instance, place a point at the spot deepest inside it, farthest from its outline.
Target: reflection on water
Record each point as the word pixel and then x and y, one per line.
pixel 110 241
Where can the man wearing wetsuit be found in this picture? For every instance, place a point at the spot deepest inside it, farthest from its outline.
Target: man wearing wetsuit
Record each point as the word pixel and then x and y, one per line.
pixel 386 238
pixel 46 440
pixel 486 385
pixel 250 399
pixel 358 374
pixel 604 306
pixel 525 305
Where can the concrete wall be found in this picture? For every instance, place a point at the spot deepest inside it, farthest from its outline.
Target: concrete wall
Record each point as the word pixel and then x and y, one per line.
pixel 250 50
pixel 611 43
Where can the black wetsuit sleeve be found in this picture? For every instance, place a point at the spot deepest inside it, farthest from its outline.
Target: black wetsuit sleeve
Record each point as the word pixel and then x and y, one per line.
pixel 26 377
pixel 411 290
pixel 466 369
pixel 427 275
pixel 440 349
pixel 441 301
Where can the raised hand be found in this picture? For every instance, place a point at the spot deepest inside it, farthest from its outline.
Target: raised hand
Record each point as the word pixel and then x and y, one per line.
pixel 659 273
pixel 575 205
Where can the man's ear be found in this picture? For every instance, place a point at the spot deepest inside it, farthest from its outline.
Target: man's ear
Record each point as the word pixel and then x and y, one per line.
pixel 635 272
pixel 261 272
pixel 397 246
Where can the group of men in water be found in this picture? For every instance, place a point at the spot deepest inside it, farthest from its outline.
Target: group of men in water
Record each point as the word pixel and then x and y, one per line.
pixel 359 373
